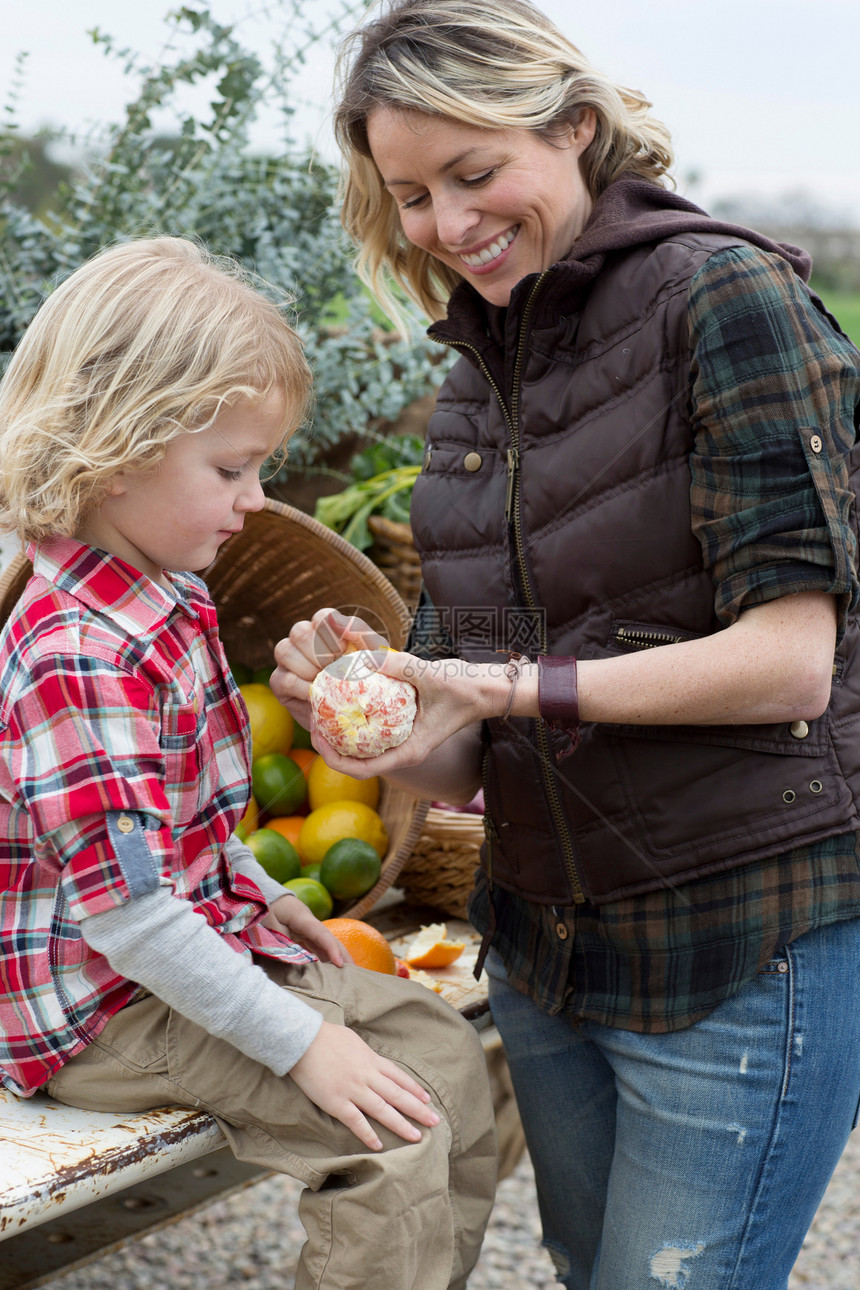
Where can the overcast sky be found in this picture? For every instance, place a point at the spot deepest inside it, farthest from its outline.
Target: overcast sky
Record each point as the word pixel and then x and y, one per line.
pixel 762 96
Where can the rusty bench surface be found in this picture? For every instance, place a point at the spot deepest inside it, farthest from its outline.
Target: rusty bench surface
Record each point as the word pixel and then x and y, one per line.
pixel 56 1160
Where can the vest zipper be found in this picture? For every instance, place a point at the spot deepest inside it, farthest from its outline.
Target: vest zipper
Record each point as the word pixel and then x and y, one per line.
pixel 644 638
pixel 514 517
pixel 514 520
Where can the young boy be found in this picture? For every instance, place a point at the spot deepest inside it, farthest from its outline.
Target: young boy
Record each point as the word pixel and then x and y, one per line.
pixel 145 958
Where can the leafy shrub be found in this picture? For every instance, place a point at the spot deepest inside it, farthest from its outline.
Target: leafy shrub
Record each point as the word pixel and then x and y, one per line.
pixel 277 214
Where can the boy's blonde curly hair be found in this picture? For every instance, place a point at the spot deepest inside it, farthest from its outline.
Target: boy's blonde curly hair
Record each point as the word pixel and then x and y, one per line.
pixel 147 340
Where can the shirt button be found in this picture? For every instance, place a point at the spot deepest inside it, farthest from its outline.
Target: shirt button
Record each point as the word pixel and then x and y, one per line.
pixel 815 443
pixel 561 931
pixel 799 729
pixel 473 461
pixel 125 824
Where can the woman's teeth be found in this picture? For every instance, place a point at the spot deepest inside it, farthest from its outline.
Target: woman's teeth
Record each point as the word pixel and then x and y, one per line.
pixel 491 252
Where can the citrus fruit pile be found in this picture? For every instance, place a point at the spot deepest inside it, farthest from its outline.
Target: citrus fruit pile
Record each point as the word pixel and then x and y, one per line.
pixel 313 829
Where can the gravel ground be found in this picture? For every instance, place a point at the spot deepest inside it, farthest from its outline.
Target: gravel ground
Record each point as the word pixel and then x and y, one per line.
pixel 252 1239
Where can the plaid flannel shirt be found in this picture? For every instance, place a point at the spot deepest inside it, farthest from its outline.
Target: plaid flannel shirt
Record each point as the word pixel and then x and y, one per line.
pixel 765 365
pixel 124 765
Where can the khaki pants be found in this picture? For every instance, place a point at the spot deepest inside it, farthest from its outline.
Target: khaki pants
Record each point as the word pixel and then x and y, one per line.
pixel 410 1217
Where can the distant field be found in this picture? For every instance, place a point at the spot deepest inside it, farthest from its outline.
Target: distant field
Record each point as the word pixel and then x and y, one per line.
pixel 845 306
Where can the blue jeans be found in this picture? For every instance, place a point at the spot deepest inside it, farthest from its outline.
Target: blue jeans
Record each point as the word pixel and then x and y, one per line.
pixel 695 1159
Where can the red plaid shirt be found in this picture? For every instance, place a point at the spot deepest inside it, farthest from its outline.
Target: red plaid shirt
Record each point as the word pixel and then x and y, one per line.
pixel 124 765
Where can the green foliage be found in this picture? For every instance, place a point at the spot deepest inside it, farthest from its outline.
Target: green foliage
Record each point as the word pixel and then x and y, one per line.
pixel 277 214
pixel 845 307
pixel 382 479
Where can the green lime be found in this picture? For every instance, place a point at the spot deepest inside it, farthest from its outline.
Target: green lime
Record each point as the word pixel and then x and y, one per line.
pixel 278 784
pixel 313 894
pixel 350 868
pixel 276 854
pixel 301 737
pixel 262 675
pixel 311 871
pixel 241 673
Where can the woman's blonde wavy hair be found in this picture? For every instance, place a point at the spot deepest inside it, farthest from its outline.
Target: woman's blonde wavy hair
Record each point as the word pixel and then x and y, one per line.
pixel 494 64
pixel 148 340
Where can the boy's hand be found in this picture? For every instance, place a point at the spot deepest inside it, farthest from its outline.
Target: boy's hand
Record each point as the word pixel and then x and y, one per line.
pixel 290 915
pixel 342 1075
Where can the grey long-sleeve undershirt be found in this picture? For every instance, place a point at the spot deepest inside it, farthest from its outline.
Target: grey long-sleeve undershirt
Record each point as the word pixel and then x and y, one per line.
pixel 160 942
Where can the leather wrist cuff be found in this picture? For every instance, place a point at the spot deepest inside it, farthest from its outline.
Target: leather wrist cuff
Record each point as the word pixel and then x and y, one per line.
pixel 558 699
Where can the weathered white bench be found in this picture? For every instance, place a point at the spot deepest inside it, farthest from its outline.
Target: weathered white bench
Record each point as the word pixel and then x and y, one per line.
pixel 74 1184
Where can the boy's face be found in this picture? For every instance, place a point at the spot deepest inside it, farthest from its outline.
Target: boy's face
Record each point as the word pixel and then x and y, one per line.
pixel 178 515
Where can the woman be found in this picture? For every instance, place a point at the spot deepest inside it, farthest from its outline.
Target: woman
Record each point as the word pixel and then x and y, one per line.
pixel 638 484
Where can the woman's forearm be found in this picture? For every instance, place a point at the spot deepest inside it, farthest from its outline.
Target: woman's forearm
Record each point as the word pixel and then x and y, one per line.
pixel 774 664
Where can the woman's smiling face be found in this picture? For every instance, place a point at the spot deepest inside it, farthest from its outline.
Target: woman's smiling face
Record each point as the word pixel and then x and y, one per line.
pixel 495 205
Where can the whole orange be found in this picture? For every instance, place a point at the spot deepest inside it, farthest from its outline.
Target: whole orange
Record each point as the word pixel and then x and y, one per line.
pixel 304 758
pixel 368 947
pixel 328 824
pixel 271 724
pixel 289 826
pixel 326 785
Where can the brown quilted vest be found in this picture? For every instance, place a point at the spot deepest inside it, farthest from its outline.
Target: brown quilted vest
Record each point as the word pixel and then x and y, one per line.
pixel 553 515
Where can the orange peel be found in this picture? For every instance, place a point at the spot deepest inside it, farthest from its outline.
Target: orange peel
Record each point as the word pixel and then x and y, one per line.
pixel 431 948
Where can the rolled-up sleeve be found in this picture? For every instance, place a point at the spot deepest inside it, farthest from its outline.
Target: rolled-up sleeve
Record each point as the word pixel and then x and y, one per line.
pixel 83 743
pixel 775 389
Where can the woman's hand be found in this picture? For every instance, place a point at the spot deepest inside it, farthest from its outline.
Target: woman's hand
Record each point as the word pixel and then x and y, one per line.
pixel 291 916
pixel 452 696
pixel 309 648
pixel 447 719
pixel 343 1076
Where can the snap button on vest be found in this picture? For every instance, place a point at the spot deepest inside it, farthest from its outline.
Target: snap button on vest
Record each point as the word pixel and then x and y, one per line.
pixel 815 443
pixel 125 824
pixel 799 729
pixel 782 967
pixel 561 931
pixel 472 461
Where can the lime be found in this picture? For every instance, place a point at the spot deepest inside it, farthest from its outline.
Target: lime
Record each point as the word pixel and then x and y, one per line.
pixel 350 868
pixel 241 673
pixel 313 894
pixel 262 675
pixel 278 784
pixel 301 737
pixel 311 871
pixel 275 854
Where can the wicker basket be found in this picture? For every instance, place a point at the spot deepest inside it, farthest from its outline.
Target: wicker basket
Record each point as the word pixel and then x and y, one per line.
pixel 441 869
pixel 281 568
pixel 394 552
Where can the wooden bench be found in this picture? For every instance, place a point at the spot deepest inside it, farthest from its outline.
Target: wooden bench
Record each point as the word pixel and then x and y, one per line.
pixel 74 1184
